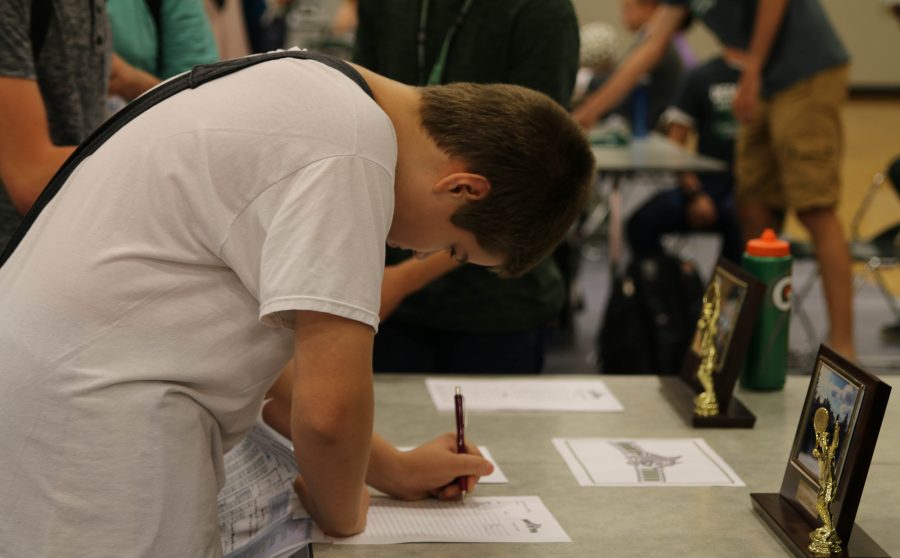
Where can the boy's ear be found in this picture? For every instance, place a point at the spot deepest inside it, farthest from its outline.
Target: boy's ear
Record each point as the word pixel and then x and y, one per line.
pixel 464 185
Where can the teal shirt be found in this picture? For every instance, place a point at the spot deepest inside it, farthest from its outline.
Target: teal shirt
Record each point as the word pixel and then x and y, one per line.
pixel 533 43
pixel 185 36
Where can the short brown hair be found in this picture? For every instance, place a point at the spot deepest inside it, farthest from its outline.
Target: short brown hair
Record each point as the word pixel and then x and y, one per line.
pixel 535 156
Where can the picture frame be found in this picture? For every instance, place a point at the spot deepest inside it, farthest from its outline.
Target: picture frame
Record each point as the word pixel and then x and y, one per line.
pixel 857 401
pixel 741 295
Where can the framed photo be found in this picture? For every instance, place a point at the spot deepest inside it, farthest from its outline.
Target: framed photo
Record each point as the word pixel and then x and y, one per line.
pixel 740 295
pixel 856 400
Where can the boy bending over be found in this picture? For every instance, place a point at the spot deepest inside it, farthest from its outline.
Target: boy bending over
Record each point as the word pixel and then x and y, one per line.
pixel 228 228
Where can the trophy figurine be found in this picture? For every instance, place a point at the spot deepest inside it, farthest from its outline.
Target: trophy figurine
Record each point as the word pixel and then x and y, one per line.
pixel 824 539
pixel 705 404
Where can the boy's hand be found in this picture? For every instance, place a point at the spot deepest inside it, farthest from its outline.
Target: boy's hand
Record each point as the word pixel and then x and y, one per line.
pixel 432 468
pixel 303 494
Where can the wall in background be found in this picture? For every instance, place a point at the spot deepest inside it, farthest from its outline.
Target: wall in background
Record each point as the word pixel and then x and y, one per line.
pixel 869 31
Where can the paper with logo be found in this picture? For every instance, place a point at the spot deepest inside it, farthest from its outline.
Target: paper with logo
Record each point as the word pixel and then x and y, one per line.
pixel 507 519
pixel 524 395
pixel 645 462
pixel 258 510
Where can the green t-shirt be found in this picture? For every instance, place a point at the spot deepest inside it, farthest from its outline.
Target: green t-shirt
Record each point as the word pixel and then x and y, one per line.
pixel 184 38
pixel 533 43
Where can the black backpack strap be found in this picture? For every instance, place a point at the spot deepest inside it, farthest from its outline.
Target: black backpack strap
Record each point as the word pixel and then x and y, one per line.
pixel 40 21
pixel 190 80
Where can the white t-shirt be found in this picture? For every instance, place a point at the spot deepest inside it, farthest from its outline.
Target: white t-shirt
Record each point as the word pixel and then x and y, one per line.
pixel 146 313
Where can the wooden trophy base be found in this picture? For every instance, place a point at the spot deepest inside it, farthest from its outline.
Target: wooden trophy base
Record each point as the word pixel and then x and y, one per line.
pixel 681 396
pixel 793 530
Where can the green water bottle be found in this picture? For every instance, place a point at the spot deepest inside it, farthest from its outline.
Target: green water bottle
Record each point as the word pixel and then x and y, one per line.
pixel 769 259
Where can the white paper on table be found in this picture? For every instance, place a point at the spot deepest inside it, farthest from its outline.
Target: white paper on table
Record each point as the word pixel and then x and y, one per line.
pixel 645 462
pixel 523 395
pixel 497 477
pixel 259 513
pixel 509 519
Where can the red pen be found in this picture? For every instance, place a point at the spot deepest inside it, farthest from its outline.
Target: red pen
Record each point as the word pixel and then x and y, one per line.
pixel 460 434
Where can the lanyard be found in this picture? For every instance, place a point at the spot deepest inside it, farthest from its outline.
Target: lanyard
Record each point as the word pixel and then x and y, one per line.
pixel 437 71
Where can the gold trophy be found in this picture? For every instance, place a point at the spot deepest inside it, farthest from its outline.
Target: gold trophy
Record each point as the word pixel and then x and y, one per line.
pixel 705 404
pixel 824 539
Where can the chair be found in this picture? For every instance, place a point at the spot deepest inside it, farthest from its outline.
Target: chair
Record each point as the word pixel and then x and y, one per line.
pixel 876 254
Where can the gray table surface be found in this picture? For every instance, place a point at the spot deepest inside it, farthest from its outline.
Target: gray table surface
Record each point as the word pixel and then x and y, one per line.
pixel 653 153
pixel 639 522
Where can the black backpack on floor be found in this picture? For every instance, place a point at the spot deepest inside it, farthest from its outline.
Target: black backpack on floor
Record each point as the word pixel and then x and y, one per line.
pixel 650 317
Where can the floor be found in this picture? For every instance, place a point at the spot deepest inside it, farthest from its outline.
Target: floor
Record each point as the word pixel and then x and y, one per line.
pixel 872 140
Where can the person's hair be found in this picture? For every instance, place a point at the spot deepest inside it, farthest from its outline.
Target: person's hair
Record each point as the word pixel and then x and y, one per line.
pixel 536 158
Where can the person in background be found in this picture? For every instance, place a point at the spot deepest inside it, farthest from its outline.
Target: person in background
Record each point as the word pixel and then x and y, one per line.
pixel 154 40
pixel 265 24
pixel 661 81
pixel 701 201
pixel 345 19
pixel 51 96
pixel 438 314
pixel 597 57
pixel 788 101
pixel 226 17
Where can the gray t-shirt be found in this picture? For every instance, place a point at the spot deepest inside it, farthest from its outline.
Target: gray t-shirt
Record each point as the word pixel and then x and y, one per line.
pixel 71 70
pixel 805 45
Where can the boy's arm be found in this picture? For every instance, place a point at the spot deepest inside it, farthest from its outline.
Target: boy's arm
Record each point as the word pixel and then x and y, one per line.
pixel 769 15
pixel 28 158
pixel 331 418
pixel 662 26
pixel 425 471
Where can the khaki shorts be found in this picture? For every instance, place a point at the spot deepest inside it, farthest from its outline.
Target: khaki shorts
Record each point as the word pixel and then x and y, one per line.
pixel 790 155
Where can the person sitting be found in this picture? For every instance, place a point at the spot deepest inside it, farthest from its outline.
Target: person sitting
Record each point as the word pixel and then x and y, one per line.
pixel 661 82
pixel 702 201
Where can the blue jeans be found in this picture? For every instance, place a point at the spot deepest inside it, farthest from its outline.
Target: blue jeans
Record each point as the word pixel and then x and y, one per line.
pixel 666 212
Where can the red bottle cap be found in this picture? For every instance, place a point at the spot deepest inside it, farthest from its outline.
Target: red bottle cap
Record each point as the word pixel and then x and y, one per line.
pixel 768 246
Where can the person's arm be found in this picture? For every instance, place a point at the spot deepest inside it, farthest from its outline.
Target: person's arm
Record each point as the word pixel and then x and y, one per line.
pixel 331 418
pixel 769 15
pixel 127 81
pixel 28 158
pixel 409 276
pixel 659 31
pixel 344 21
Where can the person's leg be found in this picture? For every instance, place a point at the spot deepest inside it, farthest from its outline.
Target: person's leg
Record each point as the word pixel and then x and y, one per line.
pixel 721 189
pixel 757 190
pixel 834 264
pixel 663 213
pixel 808 136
